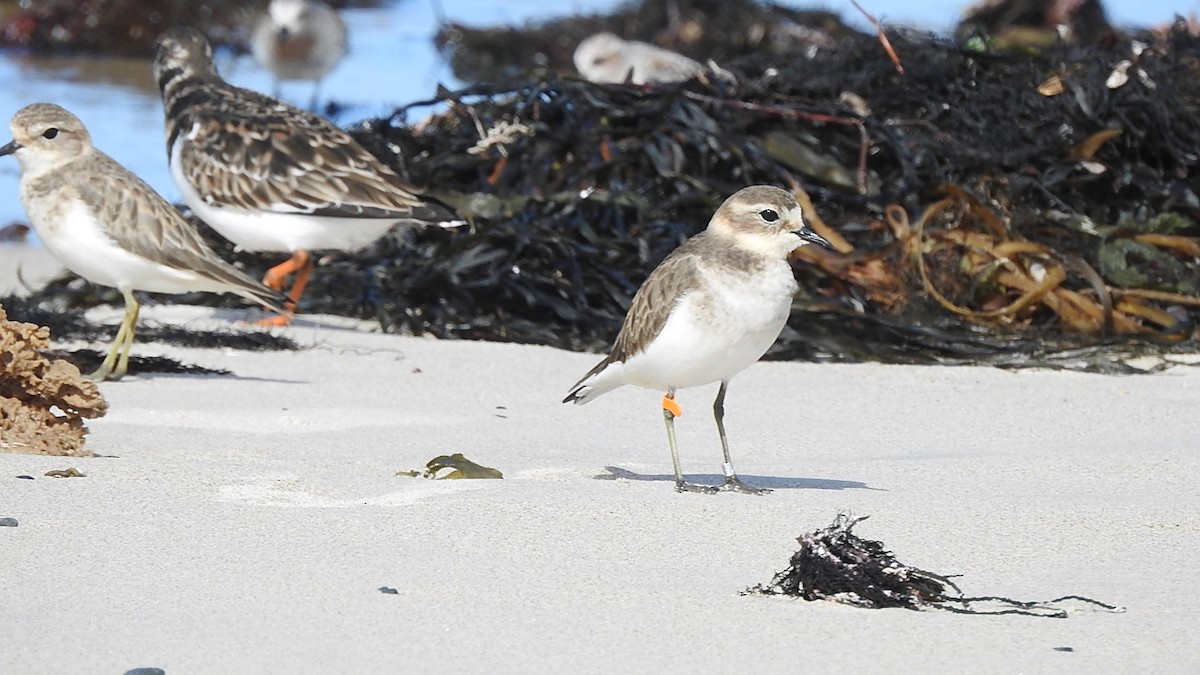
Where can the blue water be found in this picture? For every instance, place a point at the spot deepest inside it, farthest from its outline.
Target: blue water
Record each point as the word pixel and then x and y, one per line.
pixel 391 62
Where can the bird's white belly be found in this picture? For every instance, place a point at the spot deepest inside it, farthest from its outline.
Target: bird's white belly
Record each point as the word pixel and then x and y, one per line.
pixel 703 343
pixel 83 246
pixel 269 230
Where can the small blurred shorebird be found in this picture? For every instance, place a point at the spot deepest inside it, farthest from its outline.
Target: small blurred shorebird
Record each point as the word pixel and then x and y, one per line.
pixel 269 176
pixel 106 225
pixel 708 311
pixel 299 40
pixel 606 58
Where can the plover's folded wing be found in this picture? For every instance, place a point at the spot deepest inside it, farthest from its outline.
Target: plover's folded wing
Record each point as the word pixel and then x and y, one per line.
pixel 654 301
pixel 146 225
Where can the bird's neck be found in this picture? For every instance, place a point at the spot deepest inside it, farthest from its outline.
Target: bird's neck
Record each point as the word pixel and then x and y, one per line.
pixel 176 82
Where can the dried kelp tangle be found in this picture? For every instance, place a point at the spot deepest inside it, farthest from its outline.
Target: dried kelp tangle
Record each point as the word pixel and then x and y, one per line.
pixel 835 564
pixel 43 402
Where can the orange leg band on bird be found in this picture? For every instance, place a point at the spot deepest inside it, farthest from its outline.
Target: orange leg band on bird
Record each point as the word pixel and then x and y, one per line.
pixel 301 264
pixel 670 405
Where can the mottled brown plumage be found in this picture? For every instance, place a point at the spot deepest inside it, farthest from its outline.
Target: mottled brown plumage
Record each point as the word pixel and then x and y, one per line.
pixel 248 150
pixel 269 176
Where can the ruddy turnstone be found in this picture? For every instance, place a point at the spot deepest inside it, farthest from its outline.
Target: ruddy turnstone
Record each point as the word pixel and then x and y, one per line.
pixel 269 176
pixel 709 310
pixel 106 225
pixel 606 58
pixel 299 40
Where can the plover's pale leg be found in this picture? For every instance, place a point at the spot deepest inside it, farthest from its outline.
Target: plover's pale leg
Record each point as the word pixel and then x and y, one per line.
pixel 671 410
pixel 116 363
pixel 301 264
pixel 133 310
pixel 732 482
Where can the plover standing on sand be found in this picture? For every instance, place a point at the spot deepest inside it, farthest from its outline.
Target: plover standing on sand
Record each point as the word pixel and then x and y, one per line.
pixel 299 40
pixel 269 176
pixel 106 225
pixel 606 58
pixel 709 310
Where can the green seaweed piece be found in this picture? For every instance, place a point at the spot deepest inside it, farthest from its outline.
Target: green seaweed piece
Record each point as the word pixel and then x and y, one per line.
pixel 460 467
pixel 1134 264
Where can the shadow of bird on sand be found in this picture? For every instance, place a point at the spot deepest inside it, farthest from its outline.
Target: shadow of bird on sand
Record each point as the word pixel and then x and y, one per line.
pixel 770 482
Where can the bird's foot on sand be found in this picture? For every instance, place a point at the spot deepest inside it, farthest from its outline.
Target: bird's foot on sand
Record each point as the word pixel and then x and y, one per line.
pixel 735 484
pixel 692 487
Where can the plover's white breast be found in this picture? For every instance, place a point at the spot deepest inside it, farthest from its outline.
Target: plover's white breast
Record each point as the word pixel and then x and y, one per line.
pixel 713 332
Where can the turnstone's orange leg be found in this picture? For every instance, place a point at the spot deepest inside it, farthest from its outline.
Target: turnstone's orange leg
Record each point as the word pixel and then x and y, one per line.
pixel 300 264
pixel 276 277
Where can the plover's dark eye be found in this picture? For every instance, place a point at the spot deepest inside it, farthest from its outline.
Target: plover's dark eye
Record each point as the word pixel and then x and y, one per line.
pixel 769 215
pixel 50 133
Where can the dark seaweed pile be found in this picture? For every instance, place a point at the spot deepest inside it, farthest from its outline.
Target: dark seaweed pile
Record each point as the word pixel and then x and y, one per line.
pixel 833 563
pixel 1097 183
pixel 1017 206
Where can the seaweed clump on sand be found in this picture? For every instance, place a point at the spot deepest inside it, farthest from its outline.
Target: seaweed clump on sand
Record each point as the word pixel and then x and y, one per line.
pixel 43 401
pixel 835 564
pixel 1019 207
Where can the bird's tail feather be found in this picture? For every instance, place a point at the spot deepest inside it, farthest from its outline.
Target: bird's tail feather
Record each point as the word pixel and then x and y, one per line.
pixel 263 295
pixel 599 380
pixel 254 291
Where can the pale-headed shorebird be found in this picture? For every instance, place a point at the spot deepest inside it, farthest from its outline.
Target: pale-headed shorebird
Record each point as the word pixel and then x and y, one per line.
pixel 299 40
pixel 269 176
pixel 606 58
pixel 708 311
pixel 106 225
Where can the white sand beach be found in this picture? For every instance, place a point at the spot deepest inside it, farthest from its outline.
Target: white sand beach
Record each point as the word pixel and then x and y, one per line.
pixel 245 523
